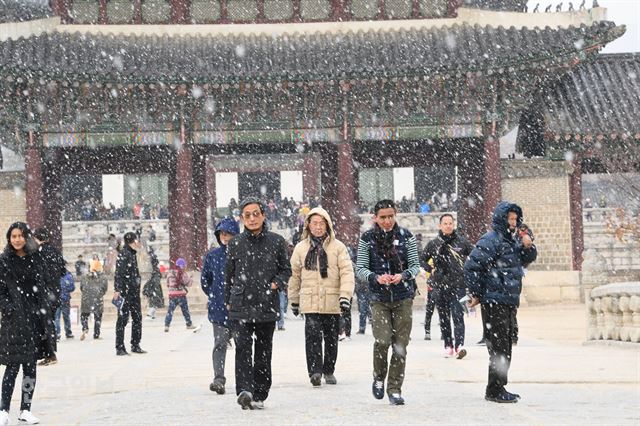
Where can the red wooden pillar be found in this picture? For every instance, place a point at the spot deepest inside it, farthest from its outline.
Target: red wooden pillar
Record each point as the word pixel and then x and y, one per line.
pixel 346 216
pixel 199 208
pixel 52 193
pixel 310 177
pixel 210 177
pixel 575 208
pixel 471 214
pixel 181 220
pixel 492 191
pixel 179 12
pixel 346 213
pixel 480 187
pixel 34 184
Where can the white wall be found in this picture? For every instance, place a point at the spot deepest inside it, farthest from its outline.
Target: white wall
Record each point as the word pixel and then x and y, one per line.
pixel 226 188
pixel 291 184
pixel 113 190
pixel 403 183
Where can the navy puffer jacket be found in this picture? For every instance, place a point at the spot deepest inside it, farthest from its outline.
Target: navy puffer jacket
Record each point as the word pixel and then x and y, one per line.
pixel 212 277
pixel 495 268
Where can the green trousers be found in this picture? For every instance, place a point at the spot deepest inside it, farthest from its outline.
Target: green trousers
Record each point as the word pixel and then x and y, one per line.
pixel 391 325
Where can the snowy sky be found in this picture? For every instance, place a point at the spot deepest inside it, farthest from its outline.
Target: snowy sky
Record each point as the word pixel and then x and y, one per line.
pixel 625 12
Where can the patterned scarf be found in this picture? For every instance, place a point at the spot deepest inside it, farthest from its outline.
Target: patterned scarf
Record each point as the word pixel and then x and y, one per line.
pixel 315 255
pixel 387 249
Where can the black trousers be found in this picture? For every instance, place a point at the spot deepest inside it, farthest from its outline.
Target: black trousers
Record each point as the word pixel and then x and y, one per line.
pixel 131 306
pixel 253 364
pixel 450 309
pixel 498 334
pixel 429 309
pixel 319 327
pixel 97 320
pixel 28 385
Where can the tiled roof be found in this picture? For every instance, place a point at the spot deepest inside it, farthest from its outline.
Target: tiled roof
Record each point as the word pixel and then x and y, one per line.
pixel 455 49
pixel 601 98
pixel 23 10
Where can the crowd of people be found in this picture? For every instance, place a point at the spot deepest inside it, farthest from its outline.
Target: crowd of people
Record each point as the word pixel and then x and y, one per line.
pixel 438 202
pixel 93 209
pixel 247 277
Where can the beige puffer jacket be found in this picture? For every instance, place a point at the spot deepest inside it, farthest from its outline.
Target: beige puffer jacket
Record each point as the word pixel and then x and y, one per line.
pixel 308 289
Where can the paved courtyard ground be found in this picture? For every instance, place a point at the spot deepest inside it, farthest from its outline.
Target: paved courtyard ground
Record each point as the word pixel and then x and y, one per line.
pixel 561 380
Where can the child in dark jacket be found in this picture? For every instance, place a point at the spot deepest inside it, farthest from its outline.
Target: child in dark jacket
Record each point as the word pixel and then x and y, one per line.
pixel 212 281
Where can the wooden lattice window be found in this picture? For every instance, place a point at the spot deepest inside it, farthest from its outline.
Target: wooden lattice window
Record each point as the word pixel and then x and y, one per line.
pixel 120 11
pixel 278 10
pixel 399 9
pixel 242 10
pixel 433 8
pixel 365 9
pixel 315 9
pixel 204 11
pixel 156 11
pixel 85 11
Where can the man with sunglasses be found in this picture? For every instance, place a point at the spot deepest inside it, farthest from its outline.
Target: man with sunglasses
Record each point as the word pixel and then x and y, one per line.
pixel 257 270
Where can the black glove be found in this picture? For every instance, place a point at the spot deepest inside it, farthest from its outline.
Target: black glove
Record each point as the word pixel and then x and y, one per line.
pixel 345 304
pixel 295 309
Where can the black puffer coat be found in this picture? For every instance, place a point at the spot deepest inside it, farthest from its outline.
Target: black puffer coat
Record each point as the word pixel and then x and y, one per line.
pixel 253 263
pixel 127 277
pixel 449 252
pixel 494 270
pixel 54 268
pixel 26 329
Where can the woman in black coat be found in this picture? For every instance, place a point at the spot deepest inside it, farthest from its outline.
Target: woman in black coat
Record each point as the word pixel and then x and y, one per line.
pixel 26 327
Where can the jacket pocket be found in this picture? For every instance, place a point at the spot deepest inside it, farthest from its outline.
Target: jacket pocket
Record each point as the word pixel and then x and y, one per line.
pixel 331 299
pixel 236 299
pixel 308 300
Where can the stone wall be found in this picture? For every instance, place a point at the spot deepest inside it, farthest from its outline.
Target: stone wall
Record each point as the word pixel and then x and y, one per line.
pixel 541 188
pixel 12 199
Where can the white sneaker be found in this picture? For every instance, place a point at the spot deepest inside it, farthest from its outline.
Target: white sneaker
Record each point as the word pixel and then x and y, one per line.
pixel 342 336
pixel 4 418
pixel 28 418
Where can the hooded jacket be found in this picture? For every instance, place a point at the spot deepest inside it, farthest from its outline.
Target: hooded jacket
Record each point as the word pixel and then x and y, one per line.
pixel 495 268
pixel 307 288
pixel 212 276
pixel 93 287
pixel 26 329
pixel 67 286
pixel 253 263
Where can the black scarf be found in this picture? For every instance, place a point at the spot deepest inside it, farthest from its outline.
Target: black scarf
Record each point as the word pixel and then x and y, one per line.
pixel 315 255
pixel 387 249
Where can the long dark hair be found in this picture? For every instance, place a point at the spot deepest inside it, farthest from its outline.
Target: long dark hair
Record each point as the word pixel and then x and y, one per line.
pixel 26 233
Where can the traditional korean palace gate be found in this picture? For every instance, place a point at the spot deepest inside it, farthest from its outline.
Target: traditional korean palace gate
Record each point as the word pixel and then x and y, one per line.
pixel 338 96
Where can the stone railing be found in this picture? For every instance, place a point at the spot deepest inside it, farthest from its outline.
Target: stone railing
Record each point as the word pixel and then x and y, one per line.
pixel 613 312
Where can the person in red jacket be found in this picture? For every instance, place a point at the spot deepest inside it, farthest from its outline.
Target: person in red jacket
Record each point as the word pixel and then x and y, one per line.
pixel 178 283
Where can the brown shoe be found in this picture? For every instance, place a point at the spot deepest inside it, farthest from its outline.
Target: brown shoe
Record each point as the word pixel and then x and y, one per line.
pixel 48 361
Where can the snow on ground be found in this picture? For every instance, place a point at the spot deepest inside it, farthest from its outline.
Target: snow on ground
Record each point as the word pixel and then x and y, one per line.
pixel 561 380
